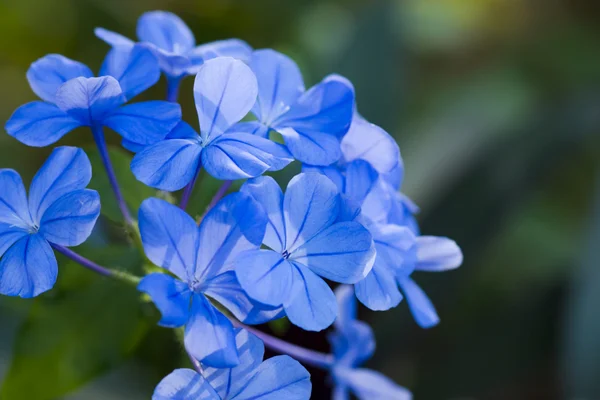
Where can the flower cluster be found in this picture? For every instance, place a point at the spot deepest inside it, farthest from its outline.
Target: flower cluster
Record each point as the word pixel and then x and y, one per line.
pixel 258 254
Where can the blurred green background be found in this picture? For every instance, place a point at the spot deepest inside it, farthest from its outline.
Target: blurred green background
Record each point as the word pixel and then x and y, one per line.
pixel 496 107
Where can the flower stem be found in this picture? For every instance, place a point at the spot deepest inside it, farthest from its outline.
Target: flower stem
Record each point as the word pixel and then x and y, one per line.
pixel 98 133
pixel 306 356
pixel 173 89
pixel 189 189
pixel 217 197
pixel 122 276
pixel 195 363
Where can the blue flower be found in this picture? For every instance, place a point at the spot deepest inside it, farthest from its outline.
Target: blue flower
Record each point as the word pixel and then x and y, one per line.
pixel 368 144
pixel 353 343
pixel 277 378
pixel 306 243
pixel 201 259
pixel 311 122
pixel 59 211
pixel 400 250
pixel 73 98
pixel 225 91
pixel 170 39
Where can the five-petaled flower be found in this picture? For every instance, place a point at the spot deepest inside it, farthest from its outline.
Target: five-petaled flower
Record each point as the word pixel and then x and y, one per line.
pixel 58 212
pixel 353 343
pixel 225 90
pixel 277 378
pixel 73 98
pixel 372 183
pixel 172 41
pixel 312 122
pixel 201 258
pixel 307 241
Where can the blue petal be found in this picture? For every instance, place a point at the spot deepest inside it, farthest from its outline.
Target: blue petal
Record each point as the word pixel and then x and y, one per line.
pixel 175 66
pixel 436 254
pixel 343 252
pixel 171 296
pixel 402 212
pixel 183 130
pixel 253 127
pixel 353 343
pixel 184 384
pixel 66 170
pixel 226 289
pixel 235 48
pixel 395 176
pixel 13 200
pixel 379 290
pixel 114 39
pixel 332 172
pixel 311 204
pixel 278 378
pixel 280 83
pixel 48 73
pixel 9 235
pixel 313 306
pixel 169 236
pixel 347 307
pixel 224 91
pixel 318 121
pixel 236 224
pixel 236 155
pixel 363 341
pixel 135 68
pixel 421 307
pixel 367 385
pixel 89 100
pixel 368 142
pixel 28 268
pixel 132 146
pixel 265 276
pixel 167 165
pixel 209 335
pixel 326 107
pixel 145 123
pixel 269 195
pixel 40 124
pixel 70 219
pixel 350 211
pixel 364 185
pixel 340 392
pixel 311 147
pixel 228 382
pixel 166 31
pixel 395 247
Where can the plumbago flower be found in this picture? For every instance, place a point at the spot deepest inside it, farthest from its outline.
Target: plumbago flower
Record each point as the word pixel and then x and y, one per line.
pixel 353 343
pixel 225 90
pixel 312 122
pixel 172 41
pixel 372 183
pixel 277 378
pixel 59 212
pixel 201 259
pixel 306 241
pixel 73 98
pixel 258 254
pixel 373 145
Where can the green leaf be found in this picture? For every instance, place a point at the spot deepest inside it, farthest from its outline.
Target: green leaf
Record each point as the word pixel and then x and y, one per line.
pixel 84 327
pixel 133 190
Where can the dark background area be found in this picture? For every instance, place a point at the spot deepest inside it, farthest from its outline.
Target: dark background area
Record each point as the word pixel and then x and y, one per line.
pixel 496 107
